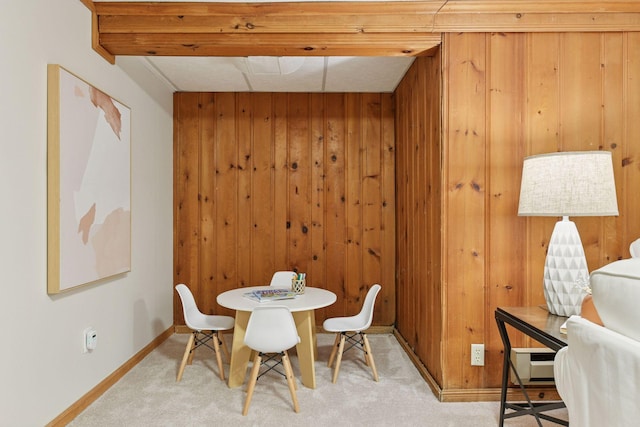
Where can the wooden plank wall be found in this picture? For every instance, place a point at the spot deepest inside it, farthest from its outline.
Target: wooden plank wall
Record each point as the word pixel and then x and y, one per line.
pixel 419 211
pixel 285 181
pixel 506 96
pixel 323 165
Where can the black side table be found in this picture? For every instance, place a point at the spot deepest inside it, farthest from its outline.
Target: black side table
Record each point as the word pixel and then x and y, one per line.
pixel 543 327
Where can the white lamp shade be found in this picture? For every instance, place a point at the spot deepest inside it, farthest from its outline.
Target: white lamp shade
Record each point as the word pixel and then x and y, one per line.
pixel 574 183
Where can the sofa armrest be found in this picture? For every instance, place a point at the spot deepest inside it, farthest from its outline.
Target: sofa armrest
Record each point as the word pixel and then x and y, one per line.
pixel 616 292
pixel 597 375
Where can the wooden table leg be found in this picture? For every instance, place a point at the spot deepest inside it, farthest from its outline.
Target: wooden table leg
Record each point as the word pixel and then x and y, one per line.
pixel 306 348
pixel 314 335
pixel 240 353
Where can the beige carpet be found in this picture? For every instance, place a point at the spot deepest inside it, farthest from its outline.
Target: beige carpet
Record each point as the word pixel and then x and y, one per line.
pixel 149 395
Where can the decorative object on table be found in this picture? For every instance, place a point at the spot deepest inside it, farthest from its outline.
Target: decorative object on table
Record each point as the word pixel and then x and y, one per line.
pixel 298 283
pixel 204 327
pixel 89 183
pixel 351 329
pixel 563 184
pixel 271 294
pixel 271 331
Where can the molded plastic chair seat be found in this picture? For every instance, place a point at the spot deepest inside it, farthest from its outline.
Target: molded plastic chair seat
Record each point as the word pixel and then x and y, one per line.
pixel 351 329
pixel 271 331
pixel 204 327
pixel 282 279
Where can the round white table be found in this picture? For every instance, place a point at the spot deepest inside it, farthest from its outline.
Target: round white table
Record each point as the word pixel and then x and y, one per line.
pixel 302 307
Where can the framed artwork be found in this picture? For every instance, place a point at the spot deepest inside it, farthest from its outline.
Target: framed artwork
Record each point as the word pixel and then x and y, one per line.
pixel 89 183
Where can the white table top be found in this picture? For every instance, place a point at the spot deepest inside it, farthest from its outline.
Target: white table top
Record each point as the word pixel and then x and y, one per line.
pixel 311 299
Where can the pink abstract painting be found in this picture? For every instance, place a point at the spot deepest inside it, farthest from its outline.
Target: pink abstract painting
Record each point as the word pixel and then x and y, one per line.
pixel 89 183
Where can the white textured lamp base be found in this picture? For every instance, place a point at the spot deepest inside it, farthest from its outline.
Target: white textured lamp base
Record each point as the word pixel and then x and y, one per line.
pixel 565 270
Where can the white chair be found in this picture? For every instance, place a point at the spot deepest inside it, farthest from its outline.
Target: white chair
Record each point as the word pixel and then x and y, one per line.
pixel 271 331
pixel 205 327
pixel 282 279
pixel 351 330
pixel 634 249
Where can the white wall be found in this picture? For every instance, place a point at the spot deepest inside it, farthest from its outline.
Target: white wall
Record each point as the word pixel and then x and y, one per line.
pixel 42 368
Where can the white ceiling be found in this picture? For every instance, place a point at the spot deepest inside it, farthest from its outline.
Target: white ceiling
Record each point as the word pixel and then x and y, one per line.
pixel 316 74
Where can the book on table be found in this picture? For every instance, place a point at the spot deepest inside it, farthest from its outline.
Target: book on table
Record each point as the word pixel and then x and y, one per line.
pixel 272 294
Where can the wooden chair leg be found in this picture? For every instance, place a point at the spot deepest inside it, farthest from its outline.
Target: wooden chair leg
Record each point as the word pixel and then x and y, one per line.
pixel 290 380
pixel 216 347
pixel 338 359
pixel 193 350
pixel 334 349
pixel 252 382
pixel 185 357
pixel 369 356
pixel 365 355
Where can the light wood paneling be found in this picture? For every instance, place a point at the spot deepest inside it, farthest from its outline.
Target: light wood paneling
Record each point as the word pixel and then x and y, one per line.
pixel 464 192
pixel 419 212
pixel 335 196
pixel 506 143
pixel 628 178
pixel 268 182
pixel 186 169
pixel 507 96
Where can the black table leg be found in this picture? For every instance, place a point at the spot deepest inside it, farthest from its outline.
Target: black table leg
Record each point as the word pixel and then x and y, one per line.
pixel 505 368
pixel 528 408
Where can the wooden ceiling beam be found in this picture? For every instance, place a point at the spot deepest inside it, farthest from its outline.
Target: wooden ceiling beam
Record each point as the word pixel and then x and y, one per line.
pixel 267 24
pixel 401 28
pixel 369 28
pixel 538 16
pixel 307 44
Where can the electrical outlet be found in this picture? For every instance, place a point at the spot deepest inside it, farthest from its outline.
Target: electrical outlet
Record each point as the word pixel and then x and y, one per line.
pixel 89 340
pixel 477 354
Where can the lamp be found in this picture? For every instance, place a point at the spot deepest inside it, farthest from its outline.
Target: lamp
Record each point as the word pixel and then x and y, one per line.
pixel 578 183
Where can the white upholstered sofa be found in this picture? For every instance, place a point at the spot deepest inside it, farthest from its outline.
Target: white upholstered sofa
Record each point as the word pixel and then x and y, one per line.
pixel 598 373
